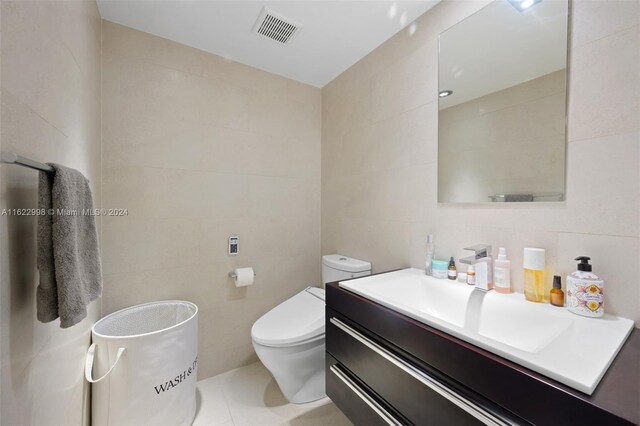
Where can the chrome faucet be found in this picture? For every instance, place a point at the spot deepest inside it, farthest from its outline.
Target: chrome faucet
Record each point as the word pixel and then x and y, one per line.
pixel 483 264
pixel 480 251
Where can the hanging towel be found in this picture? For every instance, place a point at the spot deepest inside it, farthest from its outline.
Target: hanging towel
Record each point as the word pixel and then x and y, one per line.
pixel 68 255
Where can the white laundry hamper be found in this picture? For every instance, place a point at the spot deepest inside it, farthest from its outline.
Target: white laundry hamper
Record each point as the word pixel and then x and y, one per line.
pixel 142 364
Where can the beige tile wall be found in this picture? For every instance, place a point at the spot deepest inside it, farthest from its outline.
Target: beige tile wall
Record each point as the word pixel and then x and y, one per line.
pixel 50 111
pixel 379 158
pixel 199 148
pixel 490 145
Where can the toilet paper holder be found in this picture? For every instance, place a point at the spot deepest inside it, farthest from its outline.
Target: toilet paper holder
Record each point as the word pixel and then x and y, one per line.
pixel 233 275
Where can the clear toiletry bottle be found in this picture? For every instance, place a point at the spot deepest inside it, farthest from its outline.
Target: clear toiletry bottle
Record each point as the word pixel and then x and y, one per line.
pixel 585 291
pixel 452 273
pixel 534 264
pixel 429 254
pixel 502 272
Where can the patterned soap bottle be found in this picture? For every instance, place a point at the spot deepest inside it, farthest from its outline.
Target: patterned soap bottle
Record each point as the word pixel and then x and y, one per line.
pixel 585 291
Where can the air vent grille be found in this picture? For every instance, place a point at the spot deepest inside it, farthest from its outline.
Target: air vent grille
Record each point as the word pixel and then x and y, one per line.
pixel 275 26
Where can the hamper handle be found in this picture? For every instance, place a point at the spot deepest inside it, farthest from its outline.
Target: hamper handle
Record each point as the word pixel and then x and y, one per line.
pixel 88 365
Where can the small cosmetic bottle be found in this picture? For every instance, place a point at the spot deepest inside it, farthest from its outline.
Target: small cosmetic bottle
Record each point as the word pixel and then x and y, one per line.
pixel 556 296
pixel 452 272
pixel 471 275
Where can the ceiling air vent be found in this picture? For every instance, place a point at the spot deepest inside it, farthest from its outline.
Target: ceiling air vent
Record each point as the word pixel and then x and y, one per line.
pixel 275 26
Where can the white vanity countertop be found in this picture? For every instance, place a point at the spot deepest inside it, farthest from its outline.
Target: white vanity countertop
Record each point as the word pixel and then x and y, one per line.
pixel 552 341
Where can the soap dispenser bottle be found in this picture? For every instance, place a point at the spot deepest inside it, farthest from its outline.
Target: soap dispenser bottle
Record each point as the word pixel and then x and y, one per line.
pixel 585 291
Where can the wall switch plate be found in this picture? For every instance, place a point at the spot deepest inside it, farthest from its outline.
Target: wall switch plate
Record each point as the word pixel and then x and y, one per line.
pixel 233 245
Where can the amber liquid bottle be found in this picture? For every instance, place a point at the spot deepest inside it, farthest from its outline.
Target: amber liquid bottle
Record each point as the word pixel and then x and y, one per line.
pixel 556 296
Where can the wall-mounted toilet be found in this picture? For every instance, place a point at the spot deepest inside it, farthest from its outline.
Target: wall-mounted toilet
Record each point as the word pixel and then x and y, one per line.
pixel 289 339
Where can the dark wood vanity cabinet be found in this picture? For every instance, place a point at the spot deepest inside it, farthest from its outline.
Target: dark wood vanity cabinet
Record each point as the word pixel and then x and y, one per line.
pixel 404 391
pixel 386 368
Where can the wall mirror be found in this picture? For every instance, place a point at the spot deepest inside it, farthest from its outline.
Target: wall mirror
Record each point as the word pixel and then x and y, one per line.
pixel 502 104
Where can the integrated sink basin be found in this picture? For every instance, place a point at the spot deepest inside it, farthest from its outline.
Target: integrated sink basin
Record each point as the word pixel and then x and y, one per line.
pixel 571 349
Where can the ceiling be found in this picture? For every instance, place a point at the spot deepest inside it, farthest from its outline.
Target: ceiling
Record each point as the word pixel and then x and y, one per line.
pixel 499 47
pixel 334 34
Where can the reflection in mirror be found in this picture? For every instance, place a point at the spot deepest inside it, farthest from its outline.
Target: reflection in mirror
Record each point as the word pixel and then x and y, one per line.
pixel 502 104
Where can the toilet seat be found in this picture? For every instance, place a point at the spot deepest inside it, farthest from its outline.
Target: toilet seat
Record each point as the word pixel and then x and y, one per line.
pixel 297 320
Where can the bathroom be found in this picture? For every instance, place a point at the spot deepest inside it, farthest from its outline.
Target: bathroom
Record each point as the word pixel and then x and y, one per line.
pixel 211 148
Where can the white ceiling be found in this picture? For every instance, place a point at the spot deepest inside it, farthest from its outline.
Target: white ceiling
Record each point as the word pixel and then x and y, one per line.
pixel 334 36
pixel 499 47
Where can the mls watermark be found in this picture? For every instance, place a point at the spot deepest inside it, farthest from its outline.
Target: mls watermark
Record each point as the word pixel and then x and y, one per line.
pixel 64 212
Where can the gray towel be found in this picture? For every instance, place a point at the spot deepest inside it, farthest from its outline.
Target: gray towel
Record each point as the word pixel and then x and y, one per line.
pixel 68 253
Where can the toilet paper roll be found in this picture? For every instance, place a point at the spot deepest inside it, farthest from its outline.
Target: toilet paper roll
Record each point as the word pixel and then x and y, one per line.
pixel 244 277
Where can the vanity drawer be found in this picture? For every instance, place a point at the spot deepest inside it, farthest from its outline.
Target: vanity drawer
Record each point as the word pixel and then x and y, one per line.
pixel 355 402
pixel 420 397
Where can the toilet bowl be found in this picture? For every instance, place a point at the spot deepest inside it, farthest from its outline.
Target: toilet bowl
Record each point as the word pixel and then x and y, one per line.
pixel 289 339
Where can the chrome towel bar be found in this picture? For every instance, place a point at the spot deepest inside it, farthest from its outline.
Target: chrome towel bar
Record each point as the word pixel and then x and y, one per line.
pixel 13 158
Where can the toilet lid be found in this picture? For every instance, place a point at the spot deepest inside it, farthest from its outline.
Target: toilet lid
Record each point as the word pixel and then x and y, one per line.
pixel 294 321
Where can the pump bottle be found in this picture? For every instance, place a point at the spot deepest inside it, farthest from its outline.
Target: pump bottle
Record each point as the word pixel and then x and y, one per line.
pixel 585 291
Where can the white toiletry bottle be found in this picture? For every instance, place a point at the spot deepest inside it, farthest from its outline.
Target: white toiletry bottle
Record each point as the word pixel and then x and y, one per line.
pixel 429 254
pixel 585 291
pixel 502 272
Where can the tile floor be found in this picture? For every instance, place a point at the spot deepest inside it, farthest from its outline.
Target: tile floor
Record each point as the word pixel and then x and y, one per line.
pixel 250 396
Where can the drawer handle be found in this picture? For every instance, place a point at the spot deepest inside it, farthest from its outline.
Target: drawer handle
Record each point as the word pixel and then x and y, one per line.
pixel 447 393
pixel 384 415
